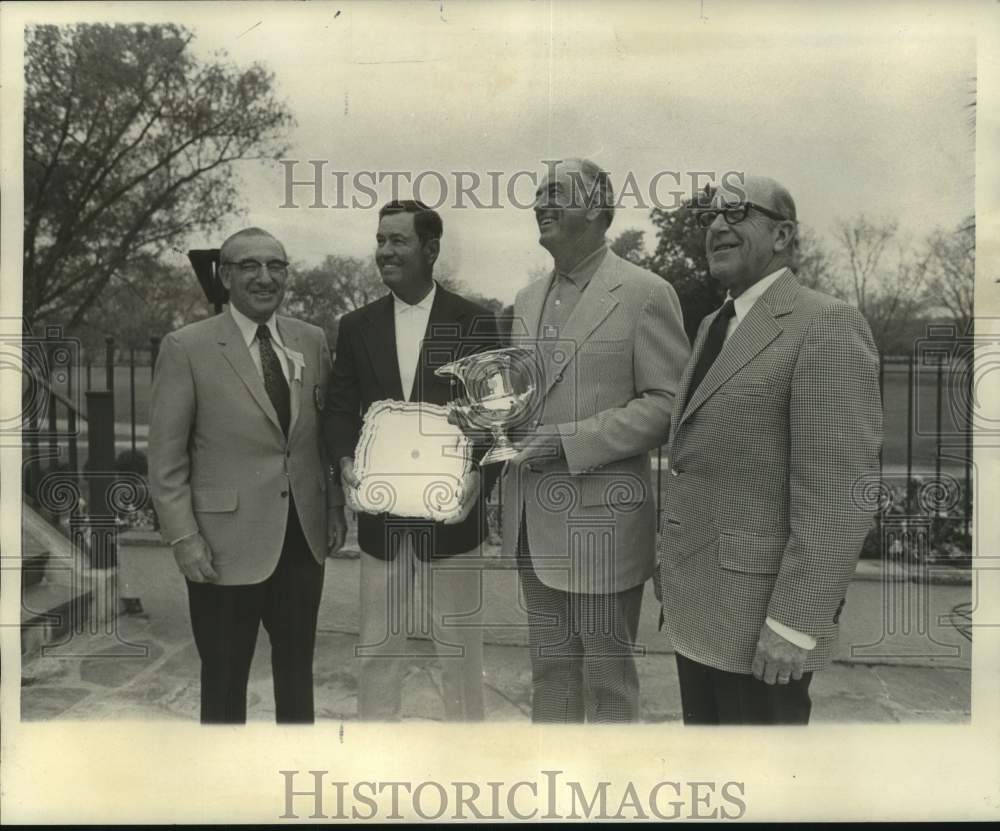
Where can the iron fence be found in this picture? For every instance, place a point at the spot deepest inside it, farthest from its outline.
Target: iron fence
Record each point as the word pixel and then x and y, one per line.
pixel 927 396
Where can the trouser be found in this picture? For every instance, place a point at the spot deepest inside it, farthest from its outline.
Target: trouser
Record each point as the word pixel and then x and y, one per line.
pixel 713 696
pixel 451 605
pixel 581 647
pixel 225 621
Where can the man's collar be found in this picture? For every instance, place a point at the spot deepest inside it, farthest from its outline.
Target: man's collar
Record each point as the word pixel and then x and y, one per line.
pixel 581 273
pixel 248 327
pixel 400 305
pixel 745 301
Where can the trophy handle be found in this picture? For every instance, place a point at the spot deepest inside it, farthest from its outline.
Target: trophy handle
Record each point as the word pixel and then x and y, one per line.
pixel 450 370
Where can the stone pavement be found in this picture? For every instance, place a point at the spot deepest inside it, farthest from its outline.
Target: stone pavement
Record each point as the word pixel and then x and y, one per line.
pixel 909 666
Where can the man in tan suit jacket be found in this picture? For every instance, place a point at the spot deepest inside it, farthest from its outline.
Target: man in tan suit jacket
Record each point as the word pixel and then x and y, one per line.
pixel 776 431
pixel 578 503
pixel 240 483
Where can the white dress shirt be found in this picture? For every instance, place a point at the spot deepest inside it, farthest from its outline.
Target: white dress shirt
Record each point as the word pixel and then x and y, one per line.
pixel 411 325
pixel 742 305
pixel 248 328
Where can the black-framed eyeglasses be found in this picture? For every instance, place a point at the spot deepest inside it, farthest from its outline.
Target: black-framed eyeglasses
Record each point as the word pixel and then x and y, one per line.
pixel 276 268
pixel 734 214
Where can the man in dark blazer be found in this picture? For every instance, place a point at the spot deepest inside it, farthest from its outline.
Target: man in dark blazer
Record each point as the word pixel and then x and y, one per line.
pixel 776 431
pixel 388 350
pixel 238 480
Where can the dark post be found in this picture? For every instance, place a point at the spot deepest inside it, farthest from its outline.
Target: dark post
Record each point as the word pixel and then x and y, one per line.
pixel 100 464
pixel 969 393
pixel 937 421
pixel 89 381
pixel 131 391
pixel 909 427
pixel 109 363
pixel 881 393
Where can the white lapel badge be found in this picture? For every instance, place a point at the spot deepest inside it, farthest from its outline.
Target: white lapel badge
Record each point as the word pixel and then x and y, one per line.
pixel 298 364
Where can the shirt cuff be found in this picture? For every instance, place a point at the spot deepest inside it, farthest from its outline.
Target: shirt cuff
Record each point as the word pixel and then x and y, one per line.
pixel 800 639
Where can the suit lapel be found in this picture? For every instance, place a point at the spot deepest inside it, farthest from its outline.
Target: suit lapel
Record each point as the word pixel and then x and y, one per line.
pixel 755 332
pixel 380 341
pixel 236 352
pixel 683 387
pixel 445 323
pixel 591 311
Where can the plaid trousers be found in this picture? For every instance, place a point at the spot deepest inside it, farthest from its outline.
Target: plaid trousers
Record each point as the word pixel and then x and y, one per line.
pixel 581 647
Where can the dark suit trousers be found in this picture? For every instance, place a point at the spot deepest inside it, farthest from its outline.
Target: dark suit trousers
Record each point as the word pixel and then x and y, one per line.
pixel 712 696
pixel 581 647
pixel 226 619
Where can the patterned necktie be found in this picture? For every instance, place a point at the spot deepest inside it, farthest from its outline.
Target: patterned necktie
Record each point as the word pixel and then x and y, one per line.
pixel 713 344
pixel 274 378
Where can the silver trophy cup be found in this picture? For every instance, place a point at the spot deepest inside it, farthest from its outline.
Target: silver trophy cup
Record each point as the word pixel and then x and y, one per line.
pixel 499 392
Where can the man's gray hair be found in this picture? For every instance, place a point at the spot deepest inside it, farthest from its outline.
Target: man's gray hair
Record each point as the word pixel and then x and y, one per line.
pixel 597 189
pixel 250 232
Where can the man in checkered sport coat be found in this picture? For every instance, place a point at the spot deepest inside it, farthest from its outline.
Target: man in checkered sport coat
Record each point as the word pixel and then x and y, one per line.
pixel 776 428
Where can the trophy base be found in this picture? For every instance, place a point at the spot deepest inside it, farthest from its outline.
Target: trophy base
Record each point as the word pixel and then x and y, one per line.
pixel 499 453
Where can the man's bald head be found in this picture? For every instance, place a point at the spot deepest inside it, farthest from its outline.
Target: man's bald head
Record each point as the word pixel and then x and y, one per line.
pixel 771 194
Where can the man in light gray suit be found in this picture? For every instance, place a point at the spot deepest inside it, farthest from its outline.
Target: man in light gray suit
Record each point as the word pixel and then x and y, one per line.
pixel 579 508
pixel 240 484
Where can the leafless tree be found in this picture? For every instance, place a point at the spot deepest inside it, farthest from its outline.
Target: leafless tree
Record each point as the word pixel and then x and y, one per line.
pixel 951 266
pixel 881 274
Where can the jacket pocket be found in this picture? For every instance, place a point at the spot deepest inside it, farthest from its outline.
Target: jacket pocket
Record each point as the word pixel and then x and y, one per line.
pixel 215 500
pixel 751 553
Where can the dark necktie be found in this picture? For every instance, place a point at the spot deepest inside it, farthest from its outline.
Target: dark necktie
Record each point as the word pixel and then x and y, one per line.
pixel 713 344
pixel 274 378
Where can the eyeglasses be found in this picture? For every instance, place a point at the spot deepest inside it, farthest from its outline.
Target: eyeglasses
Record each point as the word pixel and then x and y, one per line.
pixel 734 214
pixel 276 268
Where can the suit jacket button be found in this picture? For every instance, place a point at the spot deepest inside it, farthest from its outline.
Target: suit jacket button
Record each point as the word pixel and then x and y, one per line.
pixel 674 471
pixel 284 494
pixel 559 378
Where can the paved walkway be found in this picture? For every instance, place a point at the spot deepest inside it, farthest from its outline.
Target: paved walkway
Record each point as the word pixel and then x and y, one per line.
pixel 895 668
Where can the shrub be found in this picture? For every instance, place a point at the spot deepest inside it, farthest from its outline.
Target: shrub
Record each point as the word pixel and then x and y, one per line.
pixel 924 523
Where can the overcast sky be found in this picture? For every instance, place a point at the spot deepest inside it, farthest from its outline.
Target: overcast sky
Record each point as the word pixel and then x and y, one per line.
pixel 854 106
